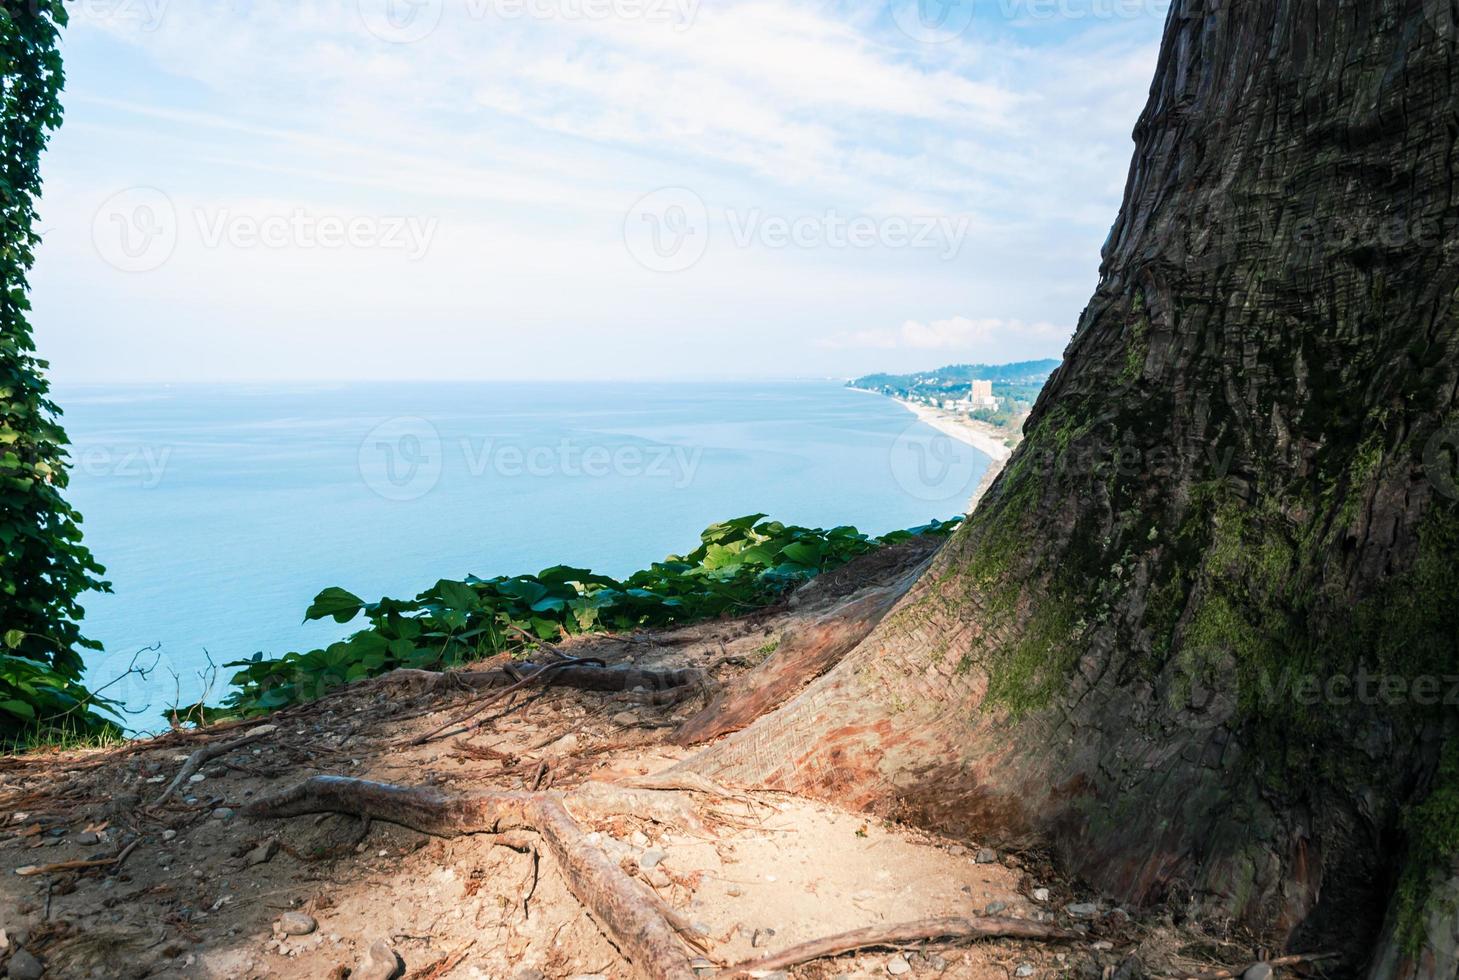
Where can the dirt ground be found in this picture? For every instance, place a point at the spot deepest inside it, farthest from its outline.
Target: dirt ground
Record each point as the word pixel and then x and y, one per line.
pixel 201 890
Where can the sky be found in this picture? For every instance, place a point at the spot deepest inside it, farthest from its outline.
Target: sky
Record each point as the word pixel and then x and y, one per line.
pixel 282 190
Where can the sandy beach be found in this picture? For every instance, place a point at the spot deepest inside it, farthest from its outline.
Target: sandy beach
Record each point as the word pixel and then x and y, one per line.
pixel 981 436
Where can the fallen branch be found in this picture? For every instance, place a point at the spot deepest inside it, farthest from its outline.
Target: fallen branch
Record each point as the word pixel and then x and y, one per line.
pixel 586 674
pixel 804 653
pixel 44 869
pixel 629 914
pixel 1294 960
pixel 210 751
pixel 951 927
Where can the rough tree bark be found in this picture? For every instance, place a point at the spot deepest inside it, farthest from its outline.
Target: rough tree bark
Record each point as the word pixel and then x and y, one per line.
pixel 1152 648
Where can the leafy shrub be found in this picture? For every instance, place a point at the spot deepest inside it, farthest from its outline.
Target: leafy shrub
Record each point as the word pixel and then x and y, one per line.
pixel 44 568
pixel 740 565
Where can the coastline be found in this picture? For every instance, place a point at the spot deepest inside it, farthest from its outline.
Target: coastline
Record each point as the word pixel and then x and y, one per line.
pixel 980 435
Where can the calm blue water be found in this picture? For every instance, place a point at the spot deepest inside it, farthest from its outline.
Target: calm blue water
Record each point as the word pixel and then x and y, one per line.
pixel 220 511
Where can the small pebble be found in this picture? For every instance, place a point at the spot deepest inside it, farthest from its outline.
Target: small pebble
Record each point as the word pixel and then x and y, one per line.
pixel 24 966
pixel 1026 970
pixel 1040 894
pixel 1258 971
pixel 380 963
pixel 87 838
pixel 222 813
pixel 1082 910
pixel 169 834
pixel 297 924
pixel 897 966
pixel 651 859
pixel 196 777
pixel 995 907
pixel 987 856
pixel 262 853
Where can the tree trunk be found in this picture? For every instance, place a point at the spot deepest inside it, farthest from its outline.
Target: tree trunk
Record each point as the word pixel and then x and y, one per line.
pixel 1200 637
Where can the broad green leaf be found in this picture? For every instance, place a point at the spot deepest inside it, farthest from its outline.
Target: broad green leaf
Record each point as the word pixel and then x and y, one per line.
pixel 457 595
pixel 336 602
pixel 18 708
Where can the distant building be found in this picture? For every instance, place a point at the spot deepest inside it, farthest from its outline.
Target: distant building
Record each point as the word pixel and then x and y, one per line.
pixel 980 396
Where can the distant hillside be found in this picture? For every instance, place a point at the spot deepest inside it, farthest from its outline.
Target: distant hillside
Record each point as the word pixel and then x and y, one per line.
pixel 1016 386
pixel 1021 379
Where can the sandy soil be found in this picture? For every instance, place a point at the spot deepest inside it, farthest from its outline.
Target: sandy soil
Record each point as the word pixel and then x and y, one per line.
pixel 201 889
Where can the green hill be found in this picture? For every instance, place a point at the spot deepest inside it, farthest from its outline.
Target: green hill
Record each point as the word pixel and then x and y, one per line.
pixel 1020 381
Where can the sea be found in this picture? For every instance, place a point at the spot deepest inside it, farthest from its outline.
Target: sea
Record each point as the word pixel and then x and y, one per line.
pixel 220 511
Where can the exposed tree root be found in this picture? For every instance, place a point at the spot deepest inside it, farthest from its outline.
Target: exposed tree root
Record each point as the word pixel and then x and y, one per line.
pixel 210 751
pixel 1295 960
pixel 673 780
pixel 586 675
pixel 802 656
pixel 45 869
pixel 607 799
pixel 631 915
pixel 951 927
pixel 579 674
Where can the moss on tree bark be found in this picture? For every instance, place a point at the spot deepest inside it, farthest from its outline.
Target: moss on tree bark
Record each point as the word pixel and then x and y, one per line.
pixel 1191 638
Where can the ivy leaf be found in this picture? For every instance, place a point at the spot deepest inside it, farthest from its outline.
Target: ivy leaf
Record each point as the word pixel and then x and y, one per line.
pixel 336 602
pixel 18 708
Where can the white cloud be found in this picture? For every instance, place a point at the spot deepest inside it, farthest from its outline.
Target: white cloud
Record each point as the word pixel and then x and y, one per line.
pixel 958 333
pixel 528 140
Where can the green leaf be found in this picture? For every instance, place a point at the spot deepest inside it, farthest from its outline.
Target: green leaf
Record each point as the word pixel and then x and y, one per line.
pixel 802 553
pixel 18 708
pixel 523 588
pixel 13 638
pixel 457 595
pixel 336 602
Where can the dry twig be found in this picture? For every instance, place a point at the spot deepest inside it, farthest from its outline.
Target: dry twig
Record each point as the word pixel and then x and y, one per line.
pixel 951 927
pixel 45 869
pixel 210 751
pixel 1229 974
